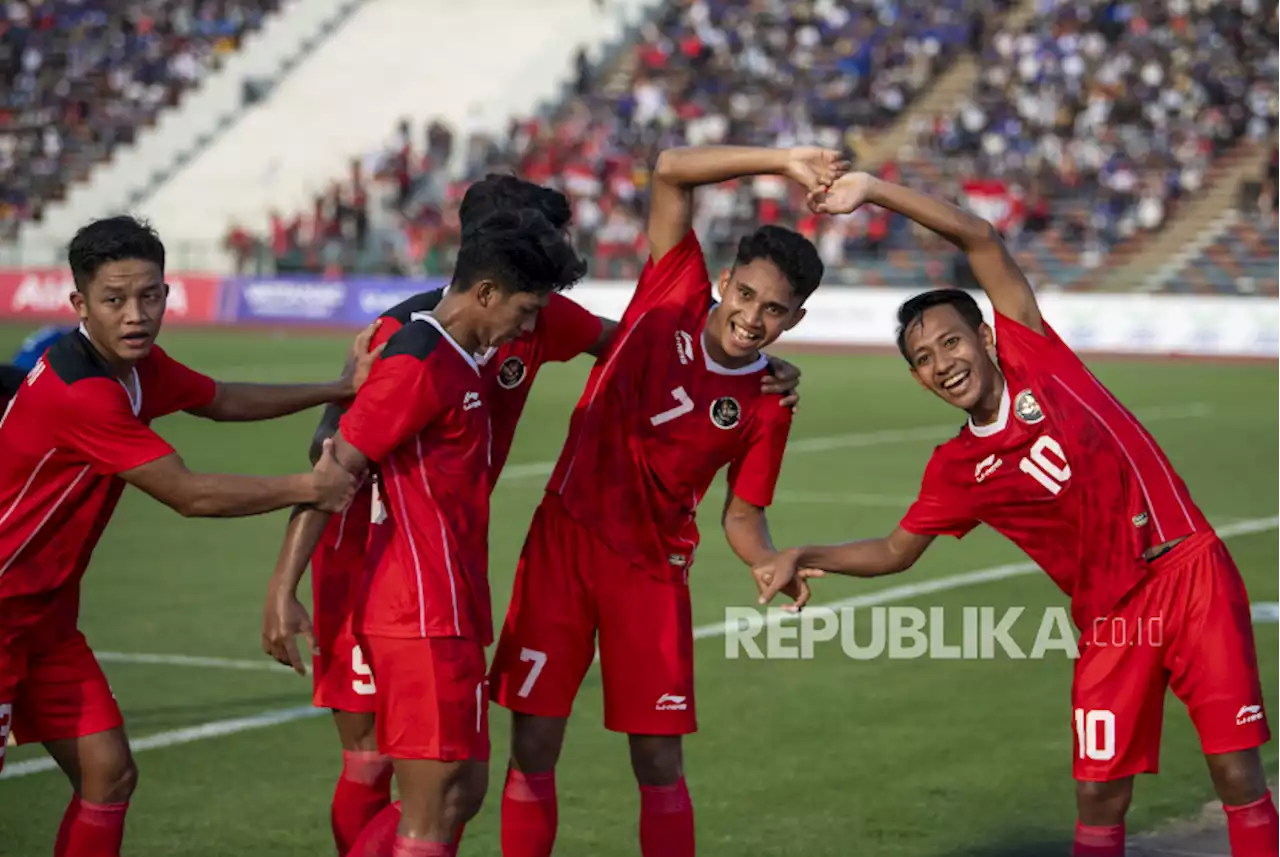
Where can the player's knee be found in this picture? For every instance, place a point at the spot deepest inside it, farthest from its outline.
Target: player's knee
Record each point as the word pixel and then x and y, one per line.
pixel 536 742
pixel 1104 804
pixel 1238 778
pixel 658 760
pixel 110 780
pixel 466 793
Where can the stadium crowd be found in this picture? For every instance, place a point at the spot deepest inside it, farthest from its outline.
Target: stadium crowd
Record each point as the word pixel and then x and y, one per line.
pixel 1088 125
pixel 80 77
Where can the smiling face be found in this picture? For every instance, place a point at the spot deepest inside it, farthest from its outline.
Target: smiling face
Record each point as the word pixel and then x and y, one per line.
pixel 757 305
pixel 952 359
pixel 122 307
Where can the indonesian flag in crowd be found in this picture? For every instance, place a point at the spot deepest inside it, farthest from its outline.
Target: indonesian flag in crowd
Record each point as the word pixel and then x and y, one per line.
pixel 994 201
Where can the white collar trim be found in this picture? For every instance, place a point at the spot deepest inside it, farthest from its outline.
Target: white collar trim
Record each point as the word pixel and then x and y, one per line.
pixel 1001 420
pixel 435 322
pixel 712 366
pixel 135 394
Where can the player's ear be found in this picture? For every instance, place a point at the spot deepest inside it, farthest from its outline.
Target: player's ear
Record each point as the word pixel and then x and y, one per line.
pixel 988 339
pixel 486 292
pixel 795 318
pixel 166 291
pixel 79 304
pixel 723 285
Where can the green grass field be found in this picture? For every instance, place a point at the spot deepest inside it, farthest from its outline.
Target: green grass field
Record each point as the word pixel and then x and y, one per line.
pixel 826 756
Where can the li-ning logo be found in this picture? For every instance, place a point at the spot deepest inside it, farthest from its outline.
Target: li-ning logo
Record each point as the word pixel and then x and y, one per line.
pixel 1248 714
pixel 671 702
pixel 986 467
pixel 684 347
pixel 471 401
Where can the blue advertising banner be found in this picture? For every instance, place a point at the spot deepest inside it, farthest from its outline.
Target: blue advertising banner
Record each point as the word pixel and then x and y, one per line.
pixel 314 300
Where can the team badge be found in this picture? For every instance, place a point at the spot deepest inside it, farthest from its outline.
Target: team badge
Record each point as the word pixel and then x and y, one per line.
pixel 725 412
pixel 1027 408
pixel 511 373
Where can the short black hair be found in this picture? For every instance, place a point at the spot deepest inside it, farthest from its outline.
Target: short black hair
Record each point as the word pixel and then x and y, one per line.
pixel 913 308
pixel 795 256
pixel 112 239
pixel 499 192
pixel 519 250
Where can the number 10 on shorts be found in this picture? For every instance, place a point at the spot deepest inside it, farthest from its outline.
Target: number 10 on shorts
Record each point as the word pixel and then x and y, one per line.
pixel 1095 734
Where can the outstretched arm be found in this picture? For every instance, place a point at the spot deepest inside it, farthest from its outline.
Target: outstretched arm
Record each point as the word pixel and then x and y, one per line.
pixel 894 553
pixel 678 172
pixel 993 267
pixel 235 402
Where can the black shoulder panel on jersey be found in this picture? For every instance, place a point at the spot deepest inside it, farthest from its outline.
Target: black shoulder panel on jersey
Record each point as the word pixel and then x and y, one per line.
pixel 416 339
pixel 11 378
pixel 421 302
pixel 72 358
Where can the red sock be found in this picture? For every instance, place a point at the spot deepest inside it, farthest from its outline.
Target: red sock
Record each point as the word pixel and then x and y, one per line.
pixel 91 829
pixel 379 836
pixel 666 821
pixel 1099 841
pixel 406 847
pixel 363 791
pixel 529 814
pixel 1253 829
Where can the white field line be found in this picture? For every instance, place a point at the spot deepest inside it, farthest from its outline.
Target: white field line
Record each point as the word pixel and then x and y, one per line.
pixel 883 437
pixel 1262 612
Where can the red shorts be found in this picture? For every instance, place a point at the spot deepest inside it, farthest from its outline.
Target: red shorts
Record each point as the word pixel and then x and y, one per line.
pixel 53 690
pixel 568 588
pixel 433 697
pixel 1187 628
pixel 341 677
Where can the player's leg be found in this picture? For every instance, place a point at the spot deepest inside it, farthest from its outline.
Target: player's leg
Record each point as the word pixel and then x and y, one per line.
pixel 432 721
pixel 646 663
pixel 66 704
pixel 1214 667
pixel 1117 712
pixel 546 647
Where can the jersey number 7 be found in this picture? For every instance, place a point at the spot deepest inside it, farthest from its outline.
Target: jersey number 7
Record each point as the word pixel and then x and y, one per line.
pixel 684 406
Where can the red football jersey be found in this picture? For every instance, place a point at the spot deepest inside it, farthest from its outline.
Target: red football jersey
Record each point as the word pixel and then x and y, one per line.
pixel 659 418
pixel 421 418
pixel 1066 473
pixel 564 330
pixel 66 434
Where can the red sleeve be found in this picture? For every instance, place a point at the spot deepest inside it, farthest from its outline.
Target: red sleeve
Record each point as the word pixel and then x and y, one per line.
pixel 99 424
pixel 171 386
pixel 567 329
pixel 680 277
pixel 938 510
pixel 397 401
pixel 753 476
pixel 1021 349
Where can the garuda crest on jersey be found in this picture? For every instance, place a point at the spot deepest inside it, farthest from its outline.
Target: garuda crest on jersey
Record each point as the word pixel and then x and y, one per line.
pixel 725 412
pixel 1027 408
pixel 511 373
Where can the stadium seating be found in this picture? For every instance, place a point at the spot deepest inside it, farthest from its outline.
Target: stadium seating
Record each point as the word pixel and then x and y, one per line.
pixel 705 71
pixel 80 77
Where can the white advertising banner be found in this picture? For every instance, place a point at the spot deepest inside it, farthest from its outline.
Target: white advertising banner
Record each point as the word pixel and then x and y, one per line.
pixel 1124 323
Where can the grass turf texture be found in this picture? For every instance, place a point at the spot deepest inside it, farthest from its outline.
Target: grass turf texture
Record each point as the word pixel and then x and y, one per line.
pixel 818 757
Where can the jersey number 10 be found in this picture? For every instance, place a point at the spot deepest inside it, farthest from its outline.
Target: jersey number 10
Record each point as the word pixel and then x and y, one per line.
pixel 1039 466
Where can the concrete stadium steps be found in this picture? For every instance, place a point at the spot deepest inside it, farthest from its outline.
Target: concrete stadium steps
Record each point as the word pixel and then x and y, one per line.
pixel 472 65
pixel 1150 261
pixel 119 183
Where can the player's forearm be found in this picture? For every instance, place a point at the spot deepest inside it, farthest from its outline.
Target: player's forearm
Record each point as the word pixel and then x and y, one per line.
pixel 864 558
pixel 252 402
pixel 220 495
pixel 694 166
pixel 965 230
pixel 306 527
pixel 748 535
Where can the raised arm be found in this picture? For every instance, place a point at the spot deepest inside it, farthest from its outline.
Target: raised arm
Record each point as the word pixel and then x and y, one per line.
pixel 891 554
pixel 993 267
pixel 678 172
